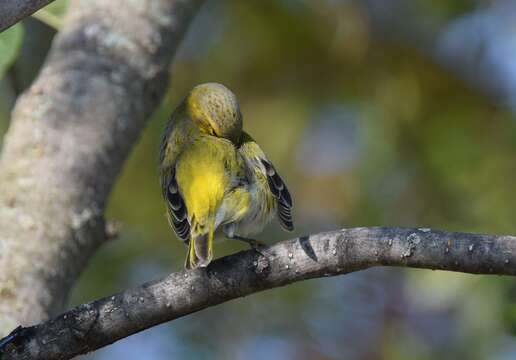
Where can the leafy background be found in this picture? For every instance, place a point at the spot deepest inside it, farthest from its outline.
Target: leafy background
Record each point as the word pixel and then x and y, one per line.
pixel 396 113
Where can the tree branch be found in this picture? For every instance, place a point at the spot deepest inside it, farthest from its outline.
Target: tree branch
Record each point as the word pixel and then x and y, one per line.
pixel 13 11
pixel 69 136
pixel 102 322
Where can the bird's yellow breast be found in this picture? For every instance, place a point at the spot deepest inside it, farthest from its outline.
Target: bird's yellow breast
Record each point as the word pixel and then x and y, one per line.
pixel 203 193
pixel 204 173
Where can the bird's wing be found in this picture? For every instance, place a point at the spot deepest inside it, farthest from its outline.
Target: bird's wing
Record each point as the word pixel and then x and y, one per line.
pixel 176 208
pixel 280 192
pixel 178 134
pixel 259 162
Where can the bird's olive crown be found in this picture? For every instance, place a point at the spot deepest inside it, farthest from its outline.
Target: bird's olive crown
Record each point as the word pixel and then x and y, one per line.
pixel 215 110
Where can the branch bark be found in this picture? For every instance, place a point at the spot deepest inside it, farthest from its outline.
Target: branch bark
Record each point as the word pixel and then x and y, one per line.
pixel 102 322
pixel 12 12
pixel 70 133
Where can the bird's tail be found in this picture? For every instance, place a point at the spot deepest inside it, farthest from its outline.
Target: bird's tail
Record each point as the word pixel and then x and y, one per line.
pixel 200 248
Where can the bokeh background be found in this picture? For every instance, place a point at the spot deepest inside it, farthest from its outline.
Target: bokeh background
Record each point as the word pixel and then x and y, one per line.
pixel 395 113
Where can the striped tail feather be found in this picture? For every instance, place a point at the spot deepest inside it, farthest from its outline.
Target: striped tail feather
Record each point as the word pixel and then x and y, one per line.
pixel 200 250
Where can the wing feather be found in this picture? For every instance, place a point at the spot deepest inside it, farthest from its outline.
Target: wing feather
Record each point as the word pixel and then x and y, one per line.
pixel 177 209
pixel 282 195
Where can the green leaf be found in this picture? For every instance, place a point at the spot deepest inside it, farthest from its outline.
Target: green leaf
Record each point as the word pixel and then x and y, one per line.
pixel 52 14
pixel 10 42
pixel 48 18
pixel 57 8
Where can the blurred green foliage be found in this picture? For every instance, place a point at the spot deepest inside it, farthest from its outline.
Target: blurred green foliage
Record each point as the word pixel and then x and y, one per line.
pixel 10 42
pixel 57 8
pixel 367 130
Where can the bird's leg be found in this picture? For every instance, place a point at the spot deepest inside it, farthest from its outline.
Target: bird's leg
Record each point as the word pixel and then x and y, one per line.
pixel 229 231
pixel 252 242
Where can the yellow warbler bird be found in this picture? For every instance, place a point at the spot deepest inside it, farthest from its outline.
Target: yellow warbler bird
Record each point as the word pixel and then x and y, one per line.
pixel 214 175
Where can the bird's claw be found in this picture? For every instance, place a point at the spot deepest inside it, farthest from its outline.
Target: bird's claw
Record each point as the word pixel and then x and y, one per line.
pixel 253 243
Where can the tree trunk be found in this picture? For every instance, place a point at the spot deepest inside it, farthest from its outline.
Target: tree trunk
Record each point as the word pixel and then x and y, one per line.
pixel 69 136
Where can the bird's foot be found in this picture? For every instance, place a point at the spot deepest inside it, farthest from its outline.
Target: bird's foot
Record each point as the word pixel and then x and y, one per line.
pixel 253 243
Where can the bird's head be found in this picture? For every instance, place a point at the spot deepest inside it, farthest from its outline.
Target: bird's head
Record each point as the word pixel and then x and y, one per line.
pixel 215 111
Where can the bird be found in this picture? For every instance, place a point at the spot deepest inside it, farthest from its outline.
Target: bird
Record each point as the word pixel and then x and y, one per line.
pixel 215 177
